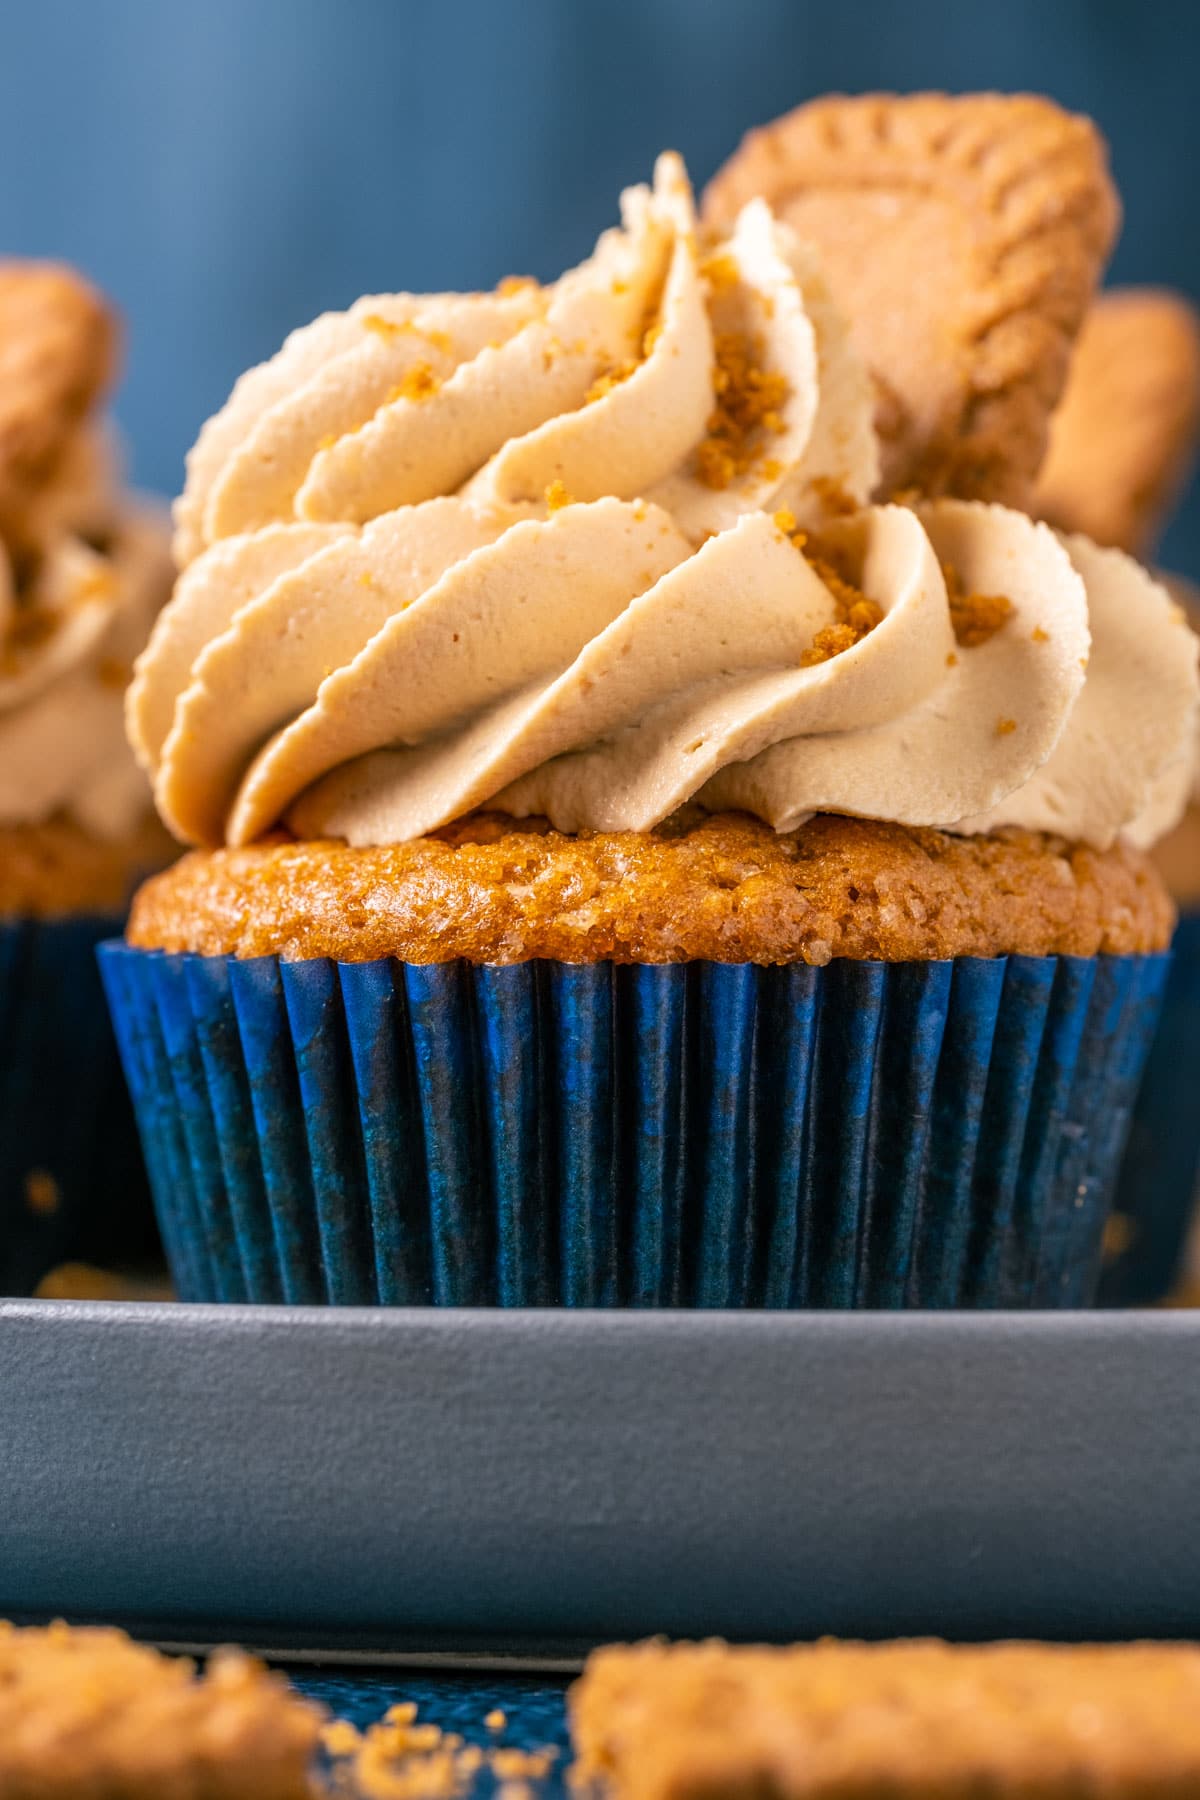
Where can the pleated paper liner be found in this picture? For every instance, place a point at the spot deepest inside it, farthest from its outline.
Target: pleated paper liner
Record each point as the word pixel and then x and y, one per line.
pixel 704 1134
pixel 1158 1185
pixel 72 1182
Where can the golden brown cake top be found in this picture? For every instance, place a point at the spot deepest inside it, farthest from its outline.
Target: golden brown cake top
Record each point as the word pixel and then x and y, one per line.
pixel 86 1714
pixel 56 868
pixel 965 236
pixel 911 1721
pixel 721 889
pixel 1124 437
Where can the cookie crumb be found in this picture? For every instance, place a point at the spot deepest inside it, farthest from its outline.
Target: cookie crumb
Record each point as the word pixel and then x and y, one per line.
pixel 417 383
pixel 857 616
pixel 833 495
pixel 975 617
pixel 43 1197
pixel 556 496
pixel 749 402
pixel 340 1737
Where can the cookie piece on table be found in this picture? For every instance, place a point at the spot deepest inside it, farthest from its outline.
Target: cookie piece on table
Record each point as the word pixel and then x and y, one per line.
pixel 909 1720
pixel 88 1712
pixel 58 353
pixel 964 236
pixel 1124 438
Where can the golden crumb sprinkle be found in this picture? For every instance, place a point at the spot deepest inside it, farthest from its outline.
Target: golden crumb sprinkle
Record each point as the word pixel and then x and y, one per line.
pixel 417 383
pixel 30 630
pixel 648 335
pixel 1039 636
pixel 42 1194
pixel 556 496
pixel 975 617
pixel 607 380
pixel 833 495
pixel 386 328
pixel 340 1738
pixel 1120 1233
pixel 951 660
pixel 856 615
pixel 720 271
pixel 113 672
pixel 397 1759
pixel 1005 727
pixel 515 284
pixel 97 584
pixel 749 403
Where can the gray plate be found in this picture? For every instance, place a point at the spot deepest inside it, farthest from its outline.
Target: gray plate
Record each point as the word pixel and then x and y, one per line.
pixel 472 1483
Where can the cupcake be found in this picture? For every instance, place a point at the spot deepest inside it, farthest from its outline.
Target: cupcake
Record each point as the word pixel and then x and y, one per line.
pixel 83 569
pixel 1122 445
pixel 633 868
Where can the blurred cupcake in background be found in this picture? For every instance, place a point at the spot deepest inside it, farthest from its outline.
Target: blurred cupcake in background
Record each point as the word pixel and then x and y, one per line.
pixel 1122 446
pixel 83 570
pixel 634 868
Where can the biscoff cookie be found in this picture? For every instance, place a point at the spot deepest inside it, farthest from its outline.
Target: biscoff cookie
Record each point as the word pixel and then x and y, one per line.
pixel 722 889
pixel 965 237
pixel 1124 437
pixel 58 351
pixel 914 1721
pixel 87 1712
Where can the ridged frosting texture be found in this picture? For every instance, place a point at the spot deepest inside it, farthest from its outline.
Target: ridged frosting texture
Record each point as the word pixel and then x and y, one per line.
pixel 75 609
pixel 546 548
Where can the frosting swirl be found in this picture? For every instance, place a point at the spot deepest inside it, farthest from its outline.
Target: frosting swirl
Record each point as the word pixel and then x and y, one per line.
pixel 75 608
pixel 545 549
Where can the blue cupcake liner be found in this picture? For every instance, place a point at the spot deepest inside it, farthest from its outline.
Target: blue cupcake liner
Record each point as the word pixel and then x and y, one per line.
pixel 72 1182
pixel 1159 1183
pixel 701 1134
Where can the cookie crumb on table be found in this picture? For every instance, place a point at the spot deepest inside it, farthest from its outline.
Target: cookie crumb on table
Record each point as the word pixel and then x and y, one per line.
pixel 401 1759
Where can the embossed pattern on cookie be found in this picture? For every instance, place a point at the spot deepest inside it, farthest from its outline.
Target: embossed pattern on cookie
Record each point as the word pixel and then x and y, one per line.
pixel 58 352
pixel 965 237
pixel 1124 438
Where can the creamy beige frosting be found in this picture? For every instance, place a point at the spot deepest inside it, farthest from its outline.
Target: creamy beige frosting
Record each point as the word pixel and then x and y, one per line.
pixel 540 549
pixel 70 628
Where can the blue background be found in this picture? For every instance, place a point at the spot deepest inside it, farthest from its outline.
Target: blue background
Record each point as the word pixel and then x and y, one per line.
pixel 228 168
